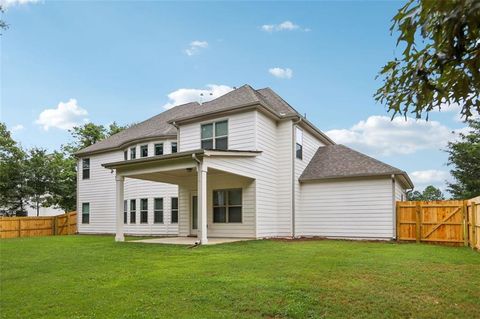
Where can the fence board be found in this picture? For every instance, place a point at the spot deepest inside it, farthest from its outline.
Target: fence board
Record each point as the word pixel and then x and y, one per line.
pixel 452 222
pixel 12 227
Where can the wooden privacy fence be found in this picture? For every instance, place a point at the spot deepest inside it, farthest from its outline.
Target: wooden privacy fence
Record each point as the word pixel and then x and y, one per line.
pixel 453 222
pixel 11 227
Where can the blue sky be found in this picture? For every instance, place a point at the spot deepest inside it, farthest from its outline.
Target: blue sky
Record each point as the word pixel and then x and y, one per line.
pixel 68 62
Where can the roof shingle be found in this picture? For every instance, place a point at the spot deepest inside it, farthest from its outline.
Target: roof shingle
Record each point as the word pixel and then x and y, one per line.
pixel 339 161
pixel 159 125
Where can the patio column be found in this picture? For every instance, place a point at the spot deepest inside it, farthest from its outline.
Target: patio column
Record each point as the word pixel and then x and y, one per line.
pixel 119 208
pixel 202 202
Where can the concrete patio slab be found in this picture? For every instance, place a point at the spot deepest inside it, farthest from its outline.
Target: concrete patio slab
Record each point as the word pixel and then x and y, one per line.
pixel 190 241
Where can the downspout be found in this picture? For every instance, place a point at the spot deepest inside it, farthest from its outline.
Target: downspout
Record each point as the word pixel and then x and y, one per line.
pixel 293 174
pixel 394 208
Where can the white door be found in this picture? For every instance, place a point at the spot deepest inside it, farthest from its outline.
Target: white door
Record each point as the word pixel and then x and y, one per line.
pixel 193 214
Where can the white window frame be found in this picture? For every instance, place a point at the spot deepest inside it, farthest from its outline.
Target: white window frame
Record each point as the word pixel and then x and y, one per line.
pixel 158 210
pixel 214 136
pixel 227 206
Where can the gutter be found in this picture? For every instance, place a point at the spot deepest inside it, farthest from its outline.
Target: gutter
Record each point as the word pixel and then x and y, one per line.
pixel 294 123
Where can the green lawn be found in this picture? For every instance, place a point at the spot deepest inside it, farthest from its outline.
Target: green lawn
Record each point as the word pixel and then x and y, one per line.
pixel 94 277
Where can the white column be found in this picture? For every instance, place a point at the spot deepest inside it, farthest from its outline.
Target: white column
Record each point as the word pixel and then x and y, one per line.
pixel 202 202
pixel 119 208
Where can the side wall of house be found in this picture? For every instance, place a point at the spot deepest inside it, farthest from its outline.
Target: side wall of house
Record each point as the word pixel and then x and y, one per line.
pixel 310 147
pixel 271 169
pixel 99 192
pixel 346 208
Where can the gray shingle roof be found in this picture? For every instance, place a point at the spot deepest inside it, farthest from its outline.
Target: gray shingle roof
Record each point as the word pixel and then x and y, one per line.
pixel 339 161
pixel 160 125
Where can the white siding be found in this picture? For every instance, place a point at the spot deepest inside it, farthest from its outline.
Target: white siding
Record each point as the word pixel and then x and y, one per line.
pixel 241 132
pixel 310 147
pixel 400 194
pixel 99 191
pixel 351 209
pixel 216 182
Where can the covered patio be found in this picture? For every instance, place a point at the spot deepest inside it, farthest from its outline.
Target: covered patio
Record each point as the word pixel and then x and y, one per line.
pixel 215 202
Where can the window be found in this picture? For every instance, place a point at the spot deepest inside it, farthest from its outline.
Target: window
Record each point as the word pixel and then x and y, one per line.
pixel 85 213
pixel 133 153
pixel 174 147
pixel 227 206
pixel 159 149
pixel 86 168
pixel 125 155
pixel 298 143
pixel 158 210
pixel 174 210
pixel 214 135
pixel 125 213
pixel 144 151
pixel 144 211
pixel 133 211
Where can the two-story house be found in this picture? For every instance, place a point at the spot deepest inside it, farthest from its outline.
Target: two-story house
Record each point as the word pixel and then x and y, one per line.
pixel 243 165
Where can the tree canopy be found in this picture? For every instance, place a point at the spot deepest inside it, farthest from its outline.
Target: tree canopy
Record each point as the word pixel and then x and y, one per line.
pixel 430 193
pixel 38 178
pixel 464 158
pixel 440 62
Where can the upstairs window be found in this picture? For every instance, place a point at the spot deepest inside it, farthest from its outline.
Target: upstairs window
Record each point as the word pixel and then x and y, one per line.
pixel 174 209
pixel 133 211
pixel 144 151
pixel 227 206
pixel 158 210
pixel 86 168
pixel 125 155
pixel 174 147
pixel 133 153
pixel 144 211
pixel 214 135
pixel 85 213
pixel 159 149
pixel 298 143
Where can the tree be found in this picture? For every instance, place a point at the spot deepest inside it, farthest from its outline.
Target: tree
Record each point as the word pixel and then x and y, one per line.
pixel 39 178
pixel 440 63
pixel 430 193
pixel 12 173
pixel 3 24
pixel 89 134
pixel 464 157
pixel 63 191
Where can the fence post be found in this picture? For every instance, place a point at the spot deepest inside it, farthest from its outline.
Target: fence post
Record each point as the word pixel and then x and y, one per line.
pixel 465 222
pixel 418 222
pixel 55 222
pixel 68 223
pixel 397 219
pixel 19 227
pixel 473 241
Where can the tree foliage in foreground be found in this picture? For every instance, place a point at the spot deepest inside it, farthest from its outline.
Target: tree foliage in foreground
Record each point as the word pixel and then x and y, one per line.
pixel 440 63
pixel 430 193
pixel 464 157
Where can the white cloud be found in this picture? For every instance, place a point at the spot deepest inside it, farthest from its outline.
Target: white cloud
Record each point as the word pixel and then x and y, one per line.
pixel 378 134
pixel 182 96
pixel 430 176
pixel 65 116
pixel 18 127
pixel 11 3
pixel 281 73
pixel 195 47
pixel 284 26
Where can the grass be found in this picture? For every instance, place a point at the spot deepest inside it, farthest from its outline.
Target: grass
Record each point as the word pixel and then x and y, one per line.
pixel 94 277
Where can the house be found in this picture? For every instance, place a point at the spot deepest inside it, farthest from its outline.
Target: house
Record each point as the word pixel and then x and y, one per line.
pixel 243 165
